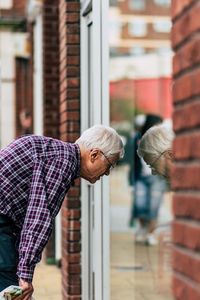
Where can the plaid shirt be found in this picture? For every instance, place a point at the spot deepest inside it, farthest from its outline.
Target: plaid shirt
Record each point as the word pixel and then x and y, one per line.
pixel 35 174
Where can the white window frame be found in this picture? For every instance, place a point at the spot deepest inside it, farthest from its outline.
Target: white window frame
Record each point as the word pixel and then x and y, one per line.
pixel 38 76
pixel 101 237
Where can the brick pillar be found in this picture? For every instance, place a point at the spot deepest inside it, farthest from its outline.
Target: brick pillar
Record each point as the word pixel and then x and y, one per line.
pixel 69 26
pixel 51 68
pixel 186 171
pixel 51 86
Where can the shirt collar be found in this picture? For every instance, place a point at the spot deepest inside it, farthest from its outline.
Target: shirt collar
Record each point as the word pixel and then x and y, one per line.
pixel 78 156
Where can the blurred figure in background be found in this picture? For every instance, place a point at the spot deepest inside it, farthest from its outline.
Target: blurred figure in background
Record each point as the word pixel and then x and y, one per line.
pixel 134 163
pixel 25 122
pixel 148 190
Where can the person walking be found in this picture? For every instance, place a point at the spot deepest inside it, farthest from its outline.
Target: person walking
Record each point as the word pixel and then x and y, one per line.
pixel 35 174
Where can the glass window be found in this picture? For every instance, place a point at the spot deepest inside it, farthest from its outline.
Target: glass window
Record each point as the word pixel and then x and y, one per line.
pixel 164 50
pixel 163 2
pixel 137 28
pixel 113 2
pixel 137 4
pixel 114 31
pixel 137 51
pixel 162 26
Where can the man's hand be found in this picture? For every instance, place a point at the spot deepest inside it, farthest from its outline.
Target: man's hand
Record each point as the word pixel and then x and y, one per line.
pixel 27 288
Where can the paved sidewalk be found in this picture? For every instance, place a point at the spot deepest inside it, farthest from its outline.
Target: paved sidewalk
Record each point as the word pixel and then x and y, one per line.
pixel 47 282
pixel 139 272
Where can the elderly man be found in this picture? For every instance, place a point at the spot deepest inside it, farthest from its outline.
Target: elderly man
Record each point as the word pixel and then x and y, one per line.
pixel 156 149
pixel 35 174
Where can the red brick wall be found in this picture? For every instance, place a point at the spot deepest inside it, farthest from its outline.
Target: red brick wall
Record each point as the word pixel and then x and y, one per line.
pixel 51 86
pixel 18 9
pixel 151 8
pixel 186 171
pixel 69 27
pixel 51 68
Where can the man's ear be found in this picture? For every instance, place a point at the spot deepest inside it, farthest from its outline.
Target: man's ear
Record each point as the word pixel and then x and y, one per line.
pixel 94 154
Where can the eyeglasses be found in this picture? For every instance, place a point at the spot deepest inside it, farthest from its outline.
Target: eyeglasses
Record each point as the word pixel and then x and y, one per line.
pixel 152 165
pixel 110 165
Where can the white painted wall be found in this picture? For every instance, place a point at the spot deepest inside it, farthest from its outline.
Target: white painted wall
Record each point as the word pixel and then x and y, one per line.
pixel 11 45
pixel 7 89
pixel 6 4
pixel 38 77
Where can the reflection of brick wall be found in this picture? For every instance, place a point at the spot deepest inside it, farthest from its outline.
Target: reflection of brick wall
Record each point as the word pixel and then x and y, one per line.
pixel 69 131
pixel 151 8
pixel 186 171
pixel 149 95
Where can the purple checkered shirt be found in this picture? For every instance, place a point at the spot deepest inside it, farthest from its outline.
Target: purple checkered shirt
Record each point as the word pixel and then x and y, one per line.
pixel 35 174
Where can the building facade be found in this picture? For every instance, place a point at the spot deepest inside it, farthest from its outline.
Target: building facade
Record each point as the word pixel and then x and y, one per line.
pixel 15 69
pixel 141 55
pixel 143 26
pixel 69 44
pixel 61 76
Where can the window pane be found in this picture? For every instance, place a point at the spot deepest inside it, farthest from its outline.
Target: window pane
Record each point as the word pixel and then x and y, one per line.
pixel 162 26
pixel 137 4
pixel 137 51
pixel 163 2
pixel 137 28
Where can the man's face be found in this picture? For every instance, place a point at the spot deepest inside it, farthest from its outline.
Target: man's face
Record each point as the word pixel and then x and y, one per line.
pixel 97 164
pixel 161 165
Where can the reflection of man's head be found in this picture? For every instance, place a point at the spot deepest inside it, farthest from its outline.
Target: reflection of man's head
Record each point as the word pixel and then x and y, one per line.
pixel 155 148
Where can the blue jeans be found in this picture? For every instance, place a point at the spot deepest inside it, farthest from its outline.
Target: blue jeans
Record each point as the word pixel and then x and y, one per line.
pixel 8 254
pixel 148 197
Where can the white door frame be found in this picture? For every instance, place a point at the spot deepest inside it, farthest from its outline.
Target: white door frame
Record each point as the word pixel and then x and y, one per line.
pixel 38 76
pixel 95 214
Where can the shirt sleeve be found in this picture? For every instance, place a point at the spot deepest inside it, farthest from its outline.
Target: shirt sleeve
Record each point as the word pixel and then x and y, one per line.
pixel 37 226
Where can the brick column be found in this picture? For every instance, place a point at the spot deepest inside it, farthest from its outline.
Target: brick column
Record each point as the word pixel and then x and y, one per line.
pixel 51 68
pixel 51 86
pixel 69 27
pixel 186 172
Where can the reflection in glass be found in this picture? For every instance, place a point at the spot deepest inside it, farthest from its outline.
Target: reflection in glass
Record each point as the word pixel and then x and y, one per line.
pixel 140 80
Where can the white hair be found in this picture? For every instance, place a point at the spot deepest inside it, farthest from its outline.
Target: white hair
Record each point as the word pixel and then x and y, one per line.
pixel 155 141
pixel 104 138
